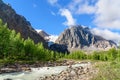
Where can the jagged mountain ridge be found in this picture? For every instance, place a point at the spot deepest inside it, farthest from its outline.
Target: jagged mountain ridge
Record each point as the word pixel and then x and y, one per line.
pixel 18 23
pixel 78 37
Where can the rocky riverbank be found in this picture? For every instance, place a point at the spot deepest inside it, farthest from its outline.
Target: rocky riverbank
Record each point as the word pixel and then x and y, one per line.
pixel 75 70
pixel 74 73
pixel 18 67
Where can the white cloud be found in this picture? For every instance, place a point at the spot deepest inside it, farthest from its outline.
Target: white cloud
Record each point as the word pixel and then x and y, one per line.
pixel 82 7
pixel 108 14
pixel 53 2
pixel 67 14
pixel 107 34
pixel 86 9
pixel 73 5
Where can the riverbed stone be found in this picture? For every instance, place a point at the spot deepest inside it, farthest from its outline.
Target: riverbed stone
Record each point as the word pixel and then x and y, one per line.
pixel 73 73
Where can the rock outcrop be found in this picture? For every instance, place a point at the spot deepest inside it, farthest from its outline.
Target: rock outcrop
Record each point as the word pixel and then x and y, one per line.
pixel 18 23
pixel 78 37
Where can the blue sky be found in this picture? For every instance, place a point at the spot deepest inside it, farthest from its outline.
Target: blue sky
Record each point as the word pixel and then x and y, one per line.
pixel 53 16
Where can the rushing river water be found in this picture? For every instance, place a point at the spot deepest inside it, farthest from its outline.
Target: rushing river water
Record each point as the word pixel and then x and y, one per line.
pixel 36 73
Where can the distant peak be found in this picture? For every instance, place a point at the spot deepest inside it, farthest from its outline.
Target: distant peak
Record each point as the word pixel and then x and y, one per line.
pixel 80 37
pixel 79 27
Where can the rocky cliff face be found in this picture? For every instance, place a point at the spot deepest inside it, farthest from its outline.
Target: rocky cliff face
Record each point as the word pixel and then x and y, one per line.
pixel 77 38
pixel 18 23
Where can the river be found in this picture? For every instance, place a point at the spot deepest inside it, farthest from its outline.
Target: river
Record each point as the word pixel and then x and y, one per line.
pixel 36 73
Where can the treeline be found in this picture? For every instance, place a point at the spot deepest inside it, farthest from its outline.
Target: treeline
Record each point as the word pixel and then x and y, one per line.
pixel 110 55
pixel 14 47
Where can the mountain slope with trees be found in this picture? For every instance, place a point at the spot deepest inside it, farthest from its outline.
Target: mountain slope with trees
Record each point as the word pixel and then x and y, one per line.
pixel 14 47
pixel 18 23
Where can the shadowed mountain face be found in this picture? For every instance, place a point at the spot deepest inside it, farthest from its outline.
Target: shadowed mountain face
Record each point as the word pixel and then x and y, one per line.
pixel 77 38
pixel 18 23
pixel 43 34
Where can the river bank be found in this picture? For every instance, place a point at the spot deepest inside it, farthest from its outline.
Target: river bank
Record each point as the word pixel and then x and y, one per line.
pixel 18 67
pixel 85 71
pixel 58 70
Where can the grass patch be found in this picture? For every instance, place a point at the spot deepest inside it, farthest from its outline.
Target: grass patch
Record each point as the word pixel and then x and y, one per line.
pixel 107 71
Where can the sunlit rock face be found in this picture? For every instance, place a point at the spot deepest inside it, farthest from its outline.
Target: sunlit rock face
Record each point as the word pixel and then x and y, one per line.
pixel 81 38
pixel 18 23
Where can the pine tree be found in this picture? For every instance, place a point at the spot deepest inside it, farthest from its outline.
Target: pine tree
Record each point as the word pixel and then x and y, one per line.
pixel 4 40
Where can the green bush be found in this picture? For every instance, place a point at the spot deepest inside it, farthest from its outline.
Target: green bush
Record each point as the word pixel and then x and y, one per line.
pixel 77 55
pixel 110 55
